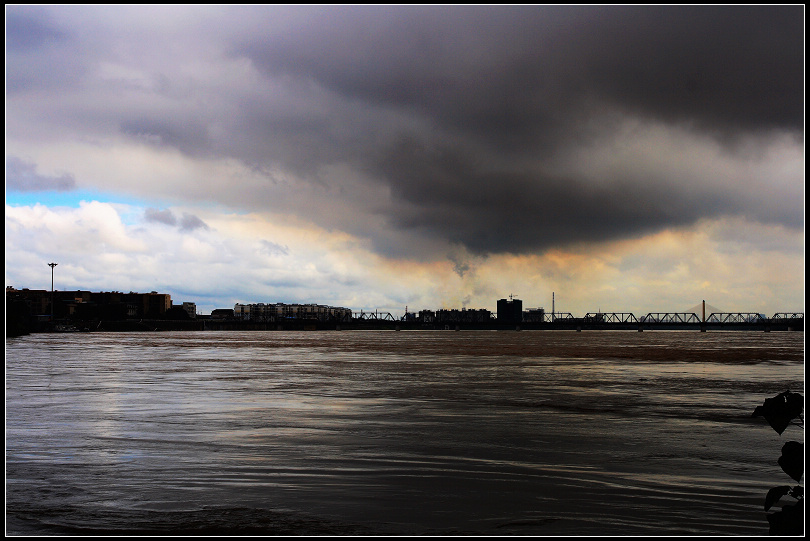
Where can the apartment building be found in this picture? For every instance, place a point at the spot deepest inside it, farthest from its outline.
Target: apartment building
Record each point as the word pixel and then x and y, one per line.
pixel 278 311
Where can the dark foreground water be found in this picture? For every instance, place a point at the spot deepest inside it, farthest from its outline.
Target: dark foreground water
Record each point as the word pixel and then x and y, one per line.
pixel 494 433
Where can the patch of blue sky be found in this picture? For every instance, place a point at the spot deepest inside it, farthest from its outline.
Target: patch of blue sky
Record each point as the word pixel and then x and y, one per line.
pixel 73 198
pixel 130 209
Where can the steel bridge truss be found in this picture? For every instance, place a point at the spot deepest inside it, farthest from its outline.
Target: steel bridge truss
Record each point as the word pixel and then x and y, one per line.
pixel 787 315
pixel 558 316
pixel 628 318
pixel 736 317
pixel 375 316
pixel 610 317
pixel 670 317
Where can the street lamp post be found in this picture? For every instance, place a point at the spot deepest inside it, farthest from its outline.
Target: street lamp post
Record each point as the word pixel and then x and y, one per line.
pixel 52 265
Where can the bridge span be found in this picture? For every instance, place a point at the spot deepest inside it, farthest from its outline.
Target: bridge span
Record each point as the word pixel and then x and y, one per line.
pixel 745 321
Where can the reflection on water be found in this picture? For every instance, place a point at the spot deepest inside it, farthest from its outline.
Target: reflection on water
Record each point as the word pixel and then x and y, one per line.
pixel 550 433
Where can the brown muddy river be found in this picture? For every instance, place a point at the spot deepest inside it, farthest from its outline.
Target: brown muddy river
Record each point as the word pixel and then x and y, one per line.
pixel 365 432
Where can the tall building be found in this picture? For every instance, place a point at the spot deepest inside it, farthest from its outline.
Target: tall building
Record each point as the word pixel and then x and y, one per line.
pixel 510 311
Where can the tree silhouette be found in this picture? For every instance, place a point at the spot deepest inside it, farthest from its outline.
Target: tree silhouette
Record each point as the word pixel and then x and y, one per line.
pixel 780 412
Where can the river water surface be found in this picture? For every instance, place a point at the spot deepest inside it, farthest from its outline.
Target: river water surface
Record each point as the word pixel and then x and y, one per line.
pixel 386 432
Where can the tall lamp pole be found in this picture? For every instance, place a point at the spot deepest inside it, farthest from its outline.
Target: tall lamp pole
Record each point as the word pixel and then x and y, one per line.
pixel 52 265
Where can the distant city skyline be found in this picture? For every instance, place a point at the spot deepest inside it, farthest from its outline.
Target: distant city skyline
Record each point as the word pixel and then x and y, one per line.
pixel 244 310
pixel 625 158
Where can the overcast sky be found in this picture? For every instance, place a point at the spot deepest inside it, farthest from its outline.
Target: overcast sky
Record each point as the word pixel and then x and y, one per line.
pixel 627 159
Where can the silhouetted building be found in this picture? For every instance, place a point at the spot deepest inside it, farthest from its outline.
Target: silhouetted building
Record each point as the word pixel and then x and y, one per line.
pixel 534 315
pixel 510 311
pixel 463 316
pixel 191 309
pixel 427 316
pixel 222 313
pixel 90 305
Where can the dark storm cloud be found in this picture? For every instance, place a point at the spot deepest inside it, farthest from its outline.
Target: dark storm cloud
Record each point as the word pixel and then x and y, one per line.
pixel 512 211
pixel 507 86
pixel 22 176
pixel 526 70
pixel 722 67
